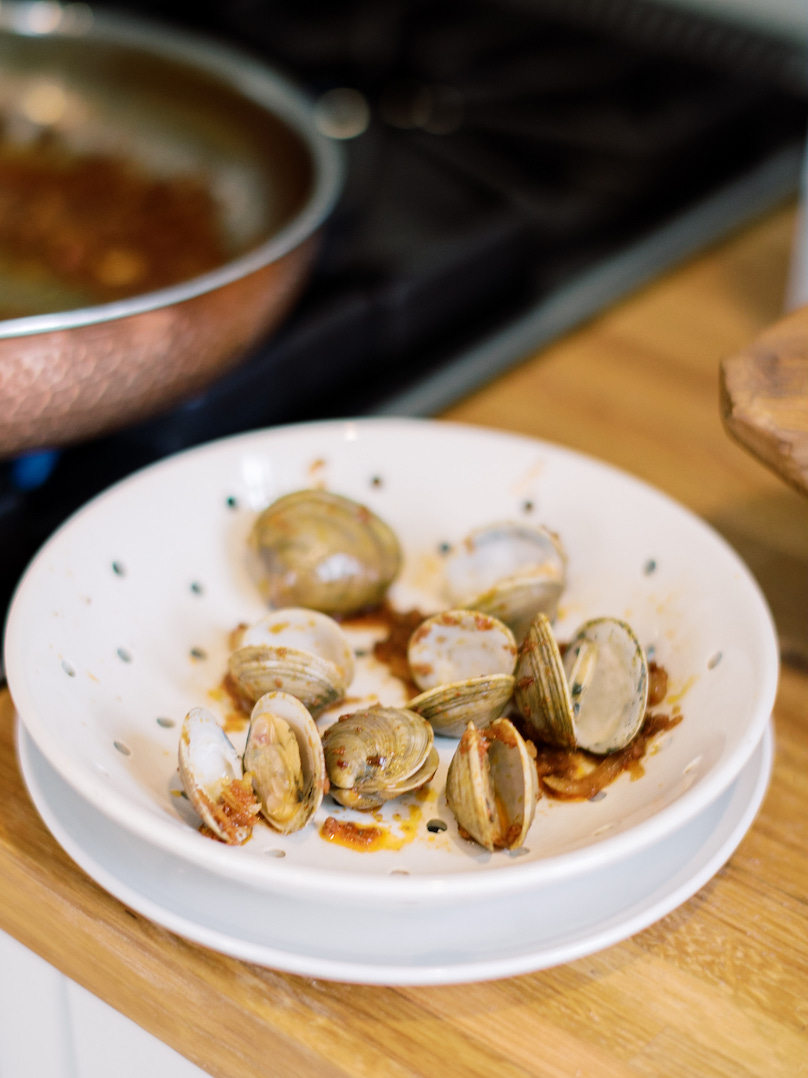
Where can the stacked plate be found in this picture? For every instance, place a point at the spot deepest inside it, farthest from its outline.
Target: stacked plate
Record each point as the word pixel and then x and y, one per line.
pixel 122 624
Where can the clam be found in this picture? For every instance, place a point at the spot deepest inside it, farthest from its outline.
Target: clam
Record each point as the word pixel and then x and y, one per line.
pixel 213 779
pixel 284 756
pixel 492 785
pixel 509 570
pixel 295 650
pixel 464 660
pixel 594 698
pixel 378 753
pixel 325 551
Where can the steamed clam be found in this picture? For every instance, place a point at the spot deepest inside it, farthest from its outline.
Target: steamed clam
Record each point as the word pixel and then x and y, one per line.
pixel 492 785
pixel 295 650
pixel 464 662
pixel 509 570
pixel 325 551
pixel 378 753
pixel 213 778
pixel 592 698
pixel 284 756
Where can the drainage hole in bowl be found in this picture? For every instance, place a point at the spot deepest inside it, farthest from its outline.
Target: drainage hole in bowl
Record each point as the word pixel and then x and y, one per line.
pixel 197 588
pixel 165 722
pixel 68 668
pixel 714 660
pixel 275 852
pixel 122 748
pixel 436 825
pixel 124 655
pixel 118 568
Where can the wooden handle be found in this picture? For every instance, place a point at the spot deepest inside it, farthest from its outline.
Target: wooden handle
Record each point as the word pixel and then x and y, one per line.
pixel 764 398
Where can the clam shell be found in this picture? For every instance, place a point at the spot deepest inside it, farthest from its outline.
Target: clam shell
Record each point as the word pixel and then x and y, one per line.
pixel 607 673
pixel 210 769
pixel 492 785
pixel 595 697
pixel 541 693
pixel 325 551
pixel 294 650
pixel 456 645
pixel 378 753
pixel 512 571
pixel 284 756
pixel 451 707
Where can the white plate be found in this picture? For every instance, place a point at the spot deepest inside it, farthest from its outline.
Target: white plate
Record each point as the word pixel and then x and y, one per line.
pixel 122 621
pixel 339 941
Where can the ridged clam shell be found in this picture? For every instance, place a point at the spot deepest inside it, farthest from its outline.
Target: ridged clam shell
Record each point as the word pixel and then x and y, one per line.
pixel 325 551
pixel 377 753
pixel 284 756
pixel 294 650
pixel 492 786
pixel 541 693
pixel 451 707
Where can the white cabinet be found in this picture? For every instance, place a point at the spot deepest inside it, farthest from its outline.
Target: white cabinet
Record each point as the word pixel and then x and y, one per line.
pixel 50 1027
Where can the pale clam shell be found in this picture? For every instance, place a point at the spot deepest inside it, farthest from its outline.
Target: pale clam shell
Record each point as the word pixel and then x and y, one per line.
pixel 325 551
pixel 284 756
pixel 295 650
pixel 492 785
pixel 456 645
pixel 509 570
pixel 208 763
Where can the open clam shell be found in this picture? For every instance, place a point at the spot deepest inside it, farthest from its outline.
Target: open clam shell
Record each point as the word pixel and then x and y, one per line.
pixel 294 650
pixel 451 707
pixel 378 753
pixel 512 571
pixel 594 698
pixel 492 785
pixel 325 551
pixel 456 645
pixel 213 779
pixel 284 756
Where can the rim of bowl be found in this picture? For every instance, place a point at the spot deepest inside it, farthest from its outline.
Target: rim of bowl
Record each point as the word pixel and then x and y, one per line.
pixel 251 78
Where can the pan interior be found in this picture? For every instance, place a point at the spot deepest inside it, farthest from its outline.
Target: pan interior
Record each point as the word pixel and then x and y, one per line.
pixel 163 118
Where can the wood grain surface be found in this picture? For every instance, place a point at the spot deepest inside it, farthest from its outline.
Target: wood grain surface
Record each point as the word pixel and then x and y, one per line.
pixel 716 988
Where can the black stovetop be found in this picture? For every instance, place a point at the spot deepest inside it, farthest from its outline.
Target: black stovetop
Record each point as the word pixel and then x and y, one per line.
pixel 523 165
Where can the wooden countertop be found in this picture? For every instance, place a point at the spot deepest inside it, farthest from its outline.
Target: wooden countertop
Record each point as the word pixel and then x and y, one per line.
pixel 718 987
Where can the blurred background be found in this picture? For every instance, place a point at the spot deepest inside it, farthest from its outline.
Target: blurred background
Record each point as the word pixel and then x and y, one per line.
pixel 513 166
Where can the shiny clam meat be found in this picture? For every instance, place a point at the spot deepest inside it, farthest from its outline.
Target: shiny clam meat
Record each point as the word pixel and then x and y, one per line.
pixel 378 753
pixel 295 650
pixel 323 550
pixel 512 571
pixel 284 756
pixel 213 778
pixel 464 662
pixel 492 785
pixel 592 698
